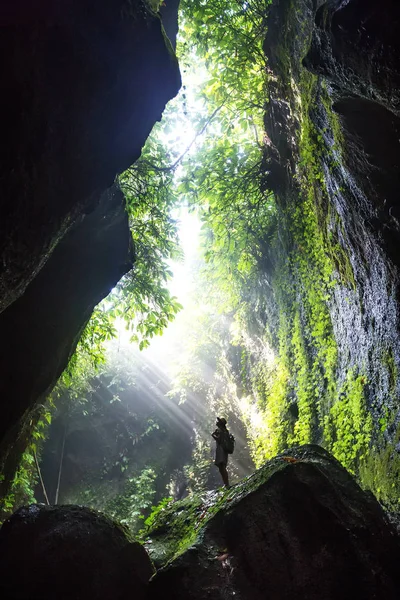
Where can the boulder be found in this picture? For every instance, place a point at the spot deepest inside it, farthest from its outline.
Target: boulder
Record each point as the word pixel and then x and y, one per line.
pixel 299 527
pixel 69 553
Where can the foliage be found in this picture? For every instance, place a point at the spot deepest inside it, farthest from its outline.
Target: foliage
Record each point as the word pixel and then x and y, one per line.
pixel 379 472
pixel 156 511
pixel 26 477
pixel 22 487
pixel 348 428
pixel 224 175
pixel 228 36
pixel 135 500
pixel 142 298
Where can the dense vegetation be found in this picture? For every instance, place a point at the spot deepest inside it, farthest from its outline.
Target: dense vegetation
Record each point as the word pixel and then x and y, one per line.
pixel 261 345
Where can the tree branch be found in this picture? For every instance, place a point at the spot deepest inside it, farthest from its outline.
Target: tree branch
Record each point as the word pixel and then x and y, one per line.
pixel 178 160
pixel 39 472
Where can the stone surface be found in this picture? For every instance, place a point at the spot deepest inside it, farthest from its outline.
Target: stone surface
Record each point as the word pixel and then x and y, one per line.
pixel 70 553
pixel 355 46
pixel 83 84
pixel 334 64
pixel 300 527
pixel 41 329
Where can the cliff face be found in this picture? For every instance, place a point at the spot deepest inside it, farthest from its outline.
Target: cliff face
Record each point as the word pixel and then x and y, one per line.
pixel 84 82
pixel 331 277
pixel 356 48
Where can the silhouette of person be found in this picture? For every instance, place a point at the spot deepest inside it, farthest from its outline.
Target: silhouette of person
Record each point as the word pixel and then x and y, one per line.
pixel 221 455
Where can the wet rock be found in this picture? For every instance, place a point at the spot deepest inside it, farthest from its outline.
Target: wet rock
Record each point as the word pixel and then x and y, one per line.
pixel 70 553
pixel 300 527
pixel 341 60
pixel 355 45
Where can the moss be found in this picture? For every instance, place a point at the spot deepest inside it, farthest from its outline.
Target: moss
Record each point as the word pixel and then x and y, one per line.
pixel 342 263
pixel 307 359
pixel 305 396
pixel 348 428
pixel 271 437
pixel 332 117
pixel 174 527
pixel 312 259
pixel 379 472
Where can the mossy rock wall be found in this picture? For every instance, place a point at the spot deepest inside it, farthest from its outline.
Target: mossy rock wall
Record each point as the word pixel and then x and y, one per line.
pixel 331 303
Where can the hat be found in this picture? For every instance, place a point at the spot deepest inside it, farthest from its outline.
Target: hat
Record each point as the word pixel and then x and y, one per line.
pixel 221 420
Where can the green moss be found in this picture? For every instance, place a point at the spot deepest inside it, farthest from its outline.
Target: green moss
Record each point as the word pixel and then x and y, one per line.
pixel 307 359
pixel 348 427
pixel 333 118
pixel 379 472
pixel 272 437
pixel 342 263
pixel 173 527
pixel 304 388
pixel 312 260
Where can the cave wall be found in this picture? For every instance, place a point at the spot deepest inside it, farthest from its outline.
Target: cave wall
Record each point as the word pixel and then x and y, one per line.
pixel 356 48
pixel 330 291
pixel 83 84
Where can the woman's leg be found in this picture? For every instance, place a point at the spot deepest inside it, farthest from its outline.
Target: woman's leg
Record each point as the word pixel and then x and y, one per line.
pixel 224 474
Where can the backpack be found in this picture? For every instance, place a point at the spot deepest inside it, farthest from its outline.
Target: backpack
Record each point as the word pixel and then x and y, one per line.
pixel 228 442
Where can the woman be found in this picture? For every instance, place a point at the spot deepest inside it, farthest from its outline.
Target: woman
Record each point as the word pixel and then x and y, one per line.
pixel 221 455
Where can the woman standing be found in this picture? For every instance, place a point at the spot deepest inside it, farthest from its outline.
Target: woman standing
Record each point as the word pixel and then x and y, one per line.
pixel 221 454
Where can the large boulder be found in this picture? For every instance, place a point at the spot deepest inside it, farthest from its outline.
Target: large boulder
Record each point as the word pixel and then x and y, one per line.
pixel 69 553
pixel 300 527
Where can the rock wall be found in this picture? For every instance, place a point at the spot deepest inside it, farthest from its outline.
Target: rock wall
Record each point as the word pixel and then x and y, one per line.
pixel 356 48
pixel 331 287
pixel 83 84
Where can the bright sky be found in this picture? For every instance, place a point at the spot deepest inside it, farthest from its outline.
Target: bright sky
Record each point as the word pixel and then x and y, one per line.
pixel 165 349
pixel 189 235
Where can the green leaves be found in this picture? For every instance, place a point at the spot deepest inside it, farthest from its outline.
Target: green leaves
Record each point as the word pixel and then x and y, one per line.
pixel 136 498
